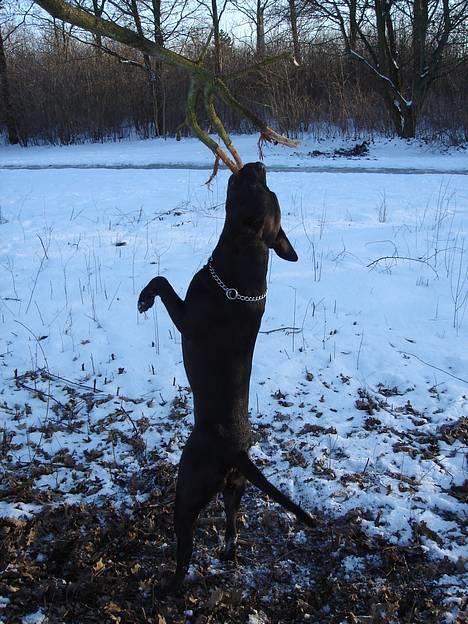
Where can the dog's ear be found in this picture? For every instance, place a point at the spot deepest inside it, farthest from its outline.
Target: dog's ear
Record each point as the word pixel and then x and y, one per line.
pixel 283 247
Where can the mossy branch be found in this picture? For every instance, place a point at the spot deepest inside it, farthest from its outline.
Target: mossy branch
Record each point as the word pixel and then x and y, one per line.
pixel 259 65
pixel 97 25
pixel 201 77
pixel 220 129
pixel 192 121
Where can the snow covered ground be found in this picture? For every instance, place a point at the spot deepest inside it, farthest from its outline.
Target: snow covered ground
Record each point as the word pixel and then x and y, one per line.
pixel 359 391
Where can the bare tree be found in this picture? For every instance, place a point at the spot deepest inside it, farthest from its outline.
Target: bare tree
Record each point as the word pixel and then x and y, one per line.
pixel 203 83
pixel 153 68
pixel 98 9
pixel 216 11
pixel 149 19
pixel 159 21
pixel 10 121
pixel 257 12
pixel 293 20
pixel 10 118
pixel 406 45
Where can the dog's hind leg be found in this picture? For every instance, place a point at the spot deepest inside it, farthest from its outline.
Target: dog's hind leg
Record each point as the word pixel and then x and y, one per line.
pixel 232 495
pixel 200 478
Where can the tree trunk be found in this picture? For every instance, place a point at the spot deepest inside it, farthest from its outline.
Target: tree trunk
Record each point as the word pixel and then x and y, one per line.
pixel 260 25
pixel 404 117
pixel 409 123
pixel 10 120
pixel 98 11
pixel 294 31
pixel 152 67
pixel 353 28
pixel 158 71
pixel 216 38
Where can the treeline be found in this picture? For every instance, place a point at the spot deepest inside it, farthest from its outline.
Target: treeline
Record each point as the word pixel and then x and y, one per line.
pixel 65 91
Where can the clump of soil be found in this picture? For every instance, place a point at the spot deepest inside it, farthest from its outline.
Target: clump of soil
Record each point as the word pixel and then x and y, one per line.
pixel 357 151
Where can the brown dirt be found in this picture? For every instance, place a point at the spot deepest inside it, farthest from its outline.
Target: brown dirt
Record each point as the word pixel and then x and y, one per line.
pixel 84 564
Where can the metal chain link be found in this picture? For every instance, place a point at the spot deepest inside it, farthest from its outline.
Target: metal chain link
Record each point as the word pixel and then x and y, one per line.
pixel 231 293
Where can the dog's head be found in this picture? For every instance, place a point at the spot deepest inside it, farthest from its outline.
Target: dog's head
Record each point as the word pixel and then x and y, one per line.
pixel 252 207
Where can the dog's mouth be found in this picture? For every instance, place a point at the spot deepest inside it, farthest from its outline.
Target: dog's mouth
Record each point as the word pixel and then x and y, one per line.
pixel 253 173
pixel 250 174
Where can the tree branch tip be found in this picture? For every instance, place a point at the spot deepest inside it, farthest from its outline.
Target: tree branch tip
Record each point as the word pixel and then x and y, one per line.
pixel 269 135
pixel 221 155
pixel 214 173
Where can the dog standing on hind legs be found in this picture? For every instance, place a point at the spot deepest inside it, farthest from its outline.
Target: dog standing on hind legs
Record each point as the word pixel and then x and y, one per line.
pixel 219 322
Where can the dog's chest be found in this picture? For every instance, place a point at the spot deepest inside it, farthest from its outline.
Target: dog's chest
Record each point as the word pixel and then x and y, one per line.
pixel 213 317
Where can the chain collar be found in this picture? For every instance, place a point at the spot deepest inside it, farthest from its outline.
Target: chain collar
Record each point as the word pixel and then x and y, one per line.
pixel 231 293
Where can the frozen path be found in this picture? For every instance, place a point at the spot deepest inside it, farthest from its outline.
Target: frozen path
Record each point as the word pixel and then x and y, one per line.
pixel 358 168
pixel 311 156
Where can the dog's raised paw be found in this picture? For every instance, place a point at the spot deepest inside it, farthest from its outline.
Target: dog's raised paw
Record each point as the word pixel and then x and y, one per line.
pixel 145 302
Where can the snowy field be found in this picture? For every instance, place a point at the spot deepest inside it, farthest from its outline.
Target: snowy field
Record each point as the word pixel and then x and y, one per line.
pixel 359 390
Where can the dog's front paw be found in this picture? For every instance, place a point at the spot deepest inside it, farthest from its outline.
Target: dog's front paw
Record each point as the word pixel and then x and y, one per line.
pixel 157 286
pixel 145 300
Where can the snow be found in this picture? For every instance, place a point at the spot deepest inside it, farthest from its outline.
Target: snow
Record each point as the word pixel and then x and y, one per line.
pixel 258 617
pixel 362 360
pixel 38 617
pixel 453 602
pixel 392 154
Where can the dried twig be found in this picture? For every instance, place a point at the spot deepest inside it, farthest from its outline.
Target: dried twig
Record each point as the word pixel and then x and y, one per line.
pixel 421 260
pixel 433 366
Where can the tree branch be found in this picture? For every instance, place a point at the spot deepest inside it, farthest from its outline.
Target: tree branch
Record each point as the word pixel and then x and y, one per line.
pixel 204 137
pixel 200 75
pixel 381 76
pixel 59 9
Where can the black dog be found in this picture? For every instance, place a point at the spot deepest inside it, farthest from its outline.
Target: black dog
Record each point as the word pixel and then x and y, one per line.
pixel 219 322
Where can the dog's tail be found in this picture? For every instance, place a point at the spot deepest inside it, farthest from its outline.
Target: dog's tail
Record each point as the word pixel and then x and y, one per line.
pixel 245 465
